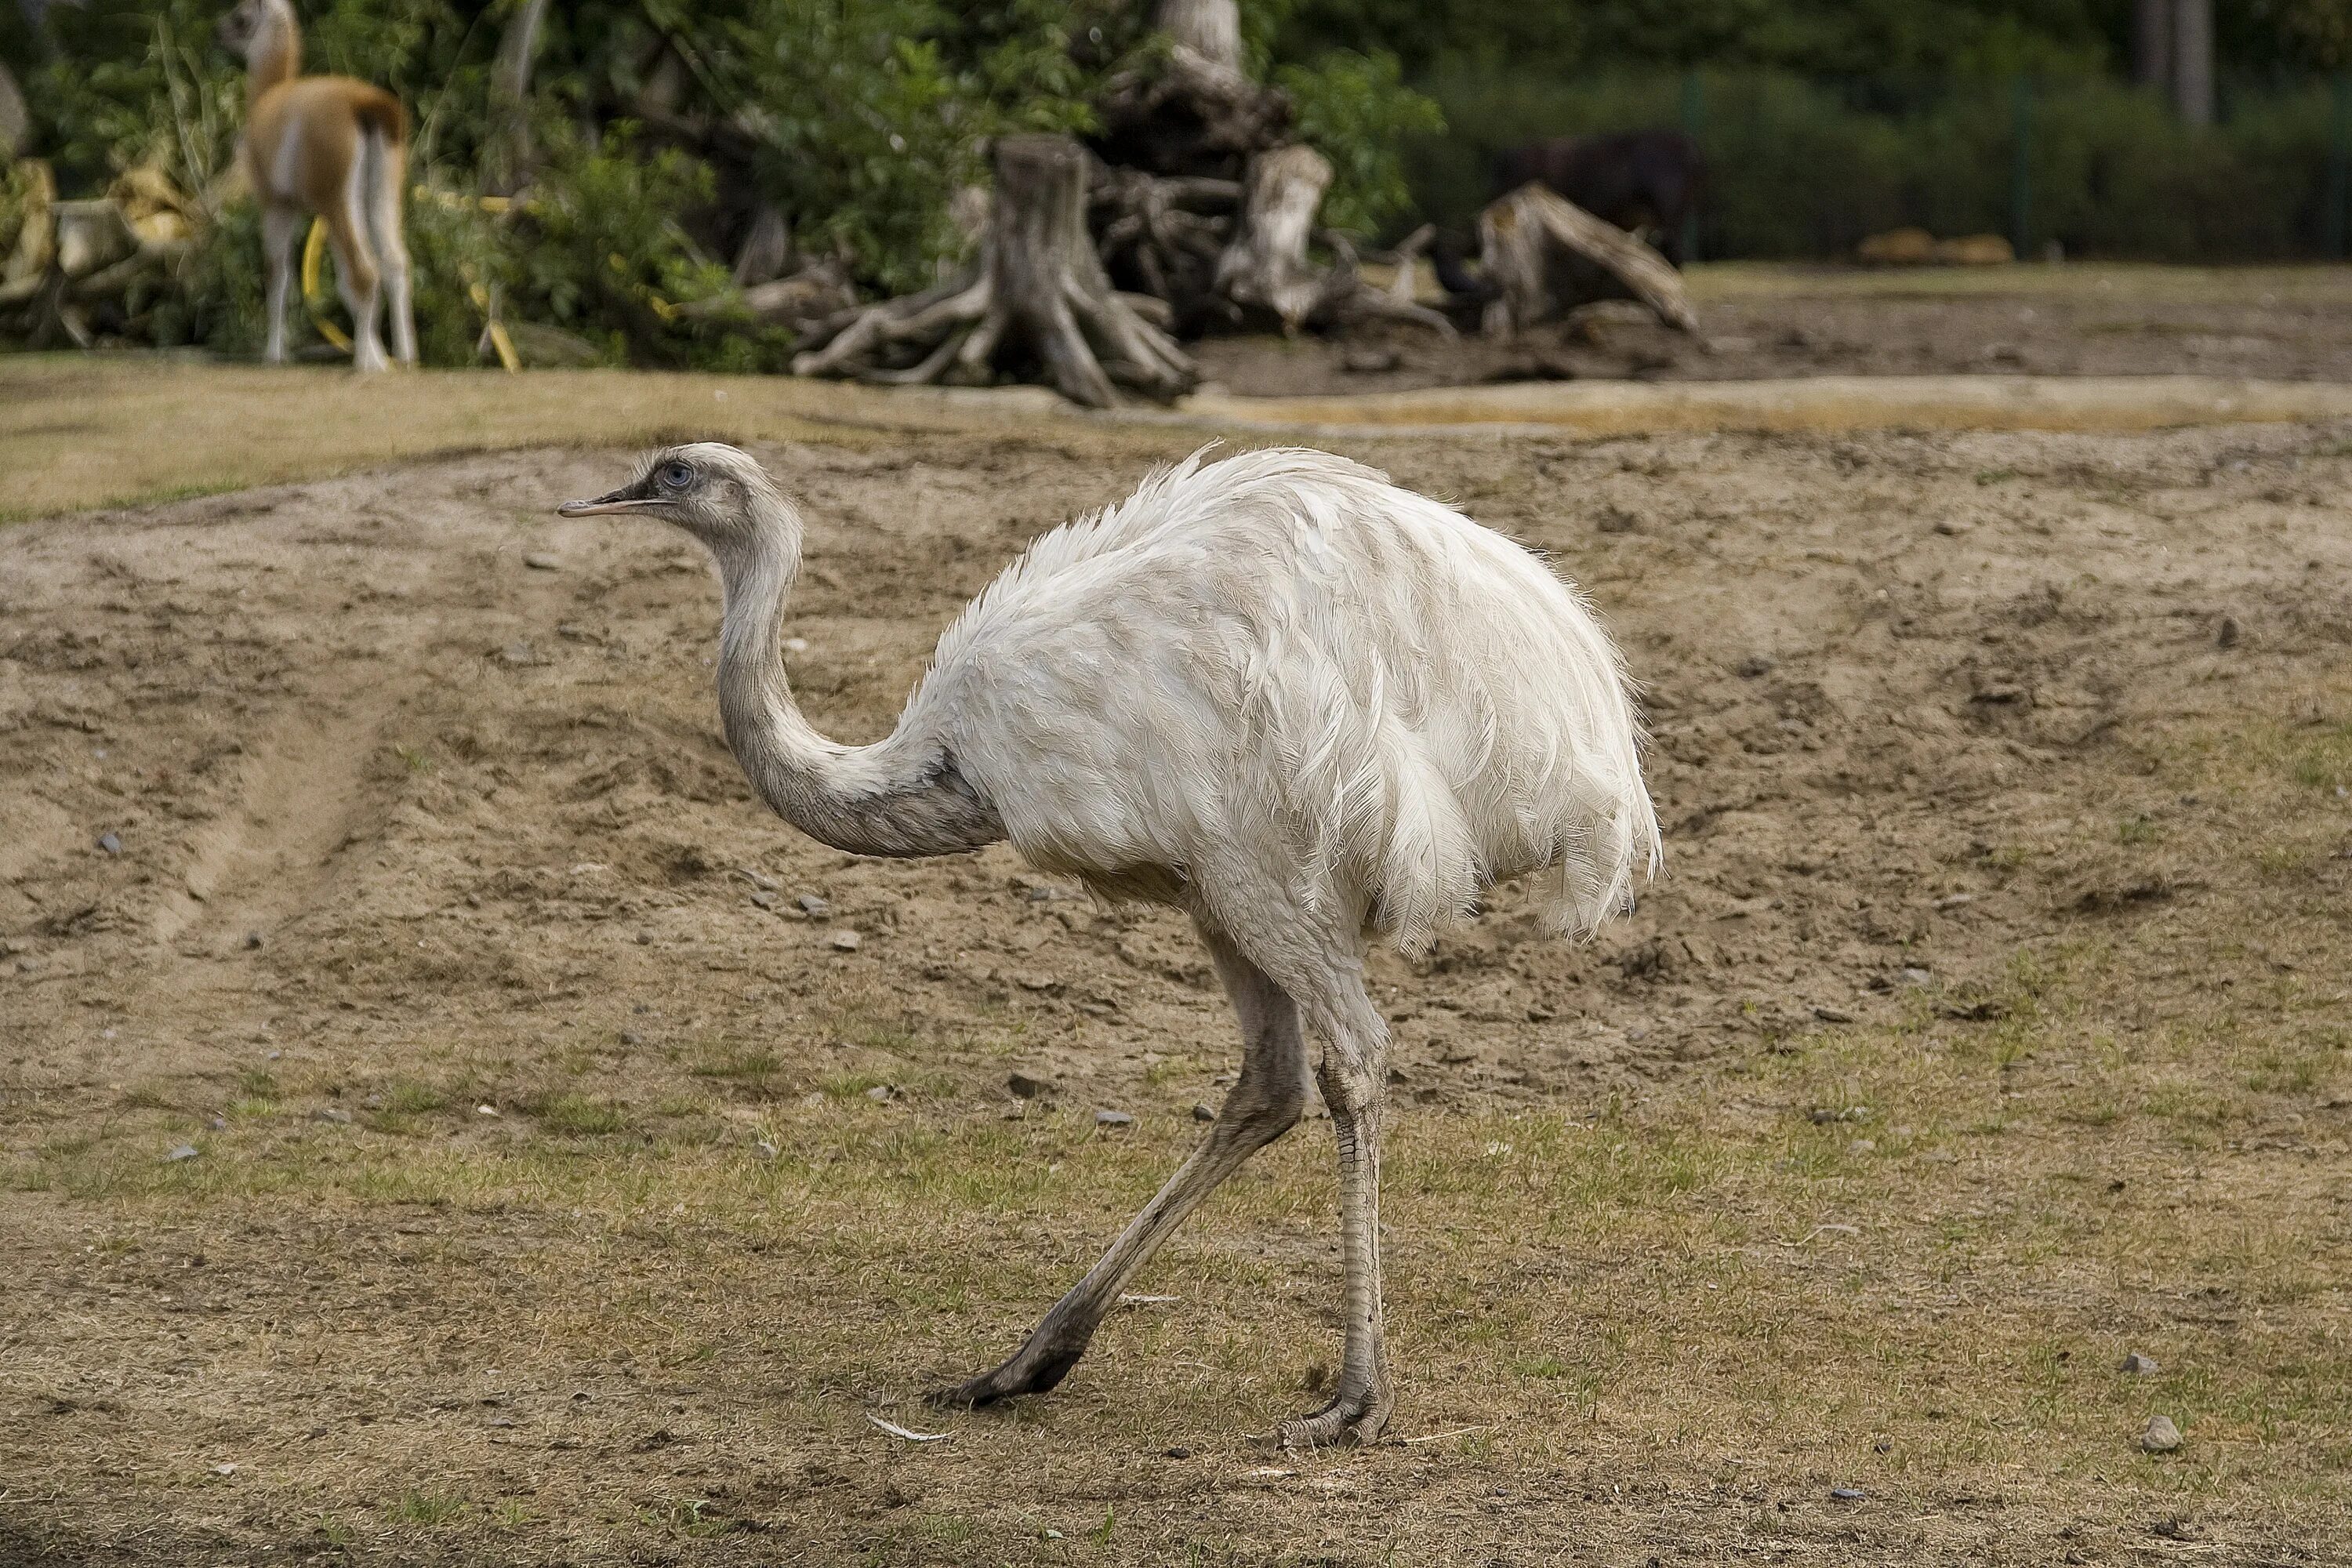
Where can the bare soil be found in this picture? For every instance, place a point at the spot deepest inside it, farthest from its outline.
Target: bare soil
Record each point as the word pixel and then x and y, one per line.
pixel 1759 322
pixel 562 1191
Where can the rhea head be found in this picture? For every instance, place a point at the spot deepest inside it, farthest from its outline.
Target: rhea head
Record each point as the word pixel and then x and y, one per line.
pixel 713 491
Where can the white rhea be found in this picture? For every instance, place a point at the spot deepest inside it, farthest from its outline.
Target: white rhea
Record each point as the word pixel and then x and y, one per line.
pixel 1278 692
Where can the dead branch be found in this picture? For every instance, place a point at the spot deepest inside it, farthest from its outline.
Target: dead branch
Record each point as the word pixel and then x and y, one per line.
pixel 1543 254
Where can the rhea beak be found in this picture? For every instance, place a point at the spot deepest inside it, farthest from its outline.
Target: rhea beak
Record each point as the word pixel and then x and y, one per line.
pixel 618 501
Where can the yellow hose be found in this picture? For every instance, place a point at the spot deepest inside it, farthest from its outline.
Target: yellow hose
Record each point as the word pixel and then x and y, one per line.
pixel 314 286
pixel 314 293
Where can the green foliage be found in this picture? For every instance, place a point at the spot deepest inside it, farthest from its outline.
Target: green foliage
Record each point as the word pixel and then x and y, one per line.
pixel 603 252
pixel 220 300
pixel 1356 111
pixel 2112 172
pixel 858 118
pixel 864 128
pixel 138 87
pixel 1817 38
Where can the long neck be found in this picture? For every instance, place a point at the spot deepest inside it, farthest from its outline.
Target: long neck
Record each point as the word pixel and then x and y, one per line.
pixel 275 55
pixel 899 797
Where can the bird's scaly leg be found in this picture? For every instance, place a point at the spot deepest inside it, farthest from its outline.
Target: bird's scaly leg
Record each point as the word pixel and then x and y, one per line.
pixel 1353 1076
pixel 1266 1100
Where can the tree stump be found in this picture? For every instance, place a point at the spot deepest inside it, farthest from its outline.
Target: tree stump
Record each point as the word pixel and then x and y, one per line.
pixel 1197 111
pixel 1265 268
pixel 1162 237
pixel 16 121
pixel 1542 253
pixel 1210 28
pixel 1037 298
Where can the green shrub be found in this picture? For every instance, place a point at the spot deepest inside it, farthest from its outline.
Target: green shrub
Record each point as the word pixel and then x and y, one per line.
pixel 1356 111
pixel 1804 168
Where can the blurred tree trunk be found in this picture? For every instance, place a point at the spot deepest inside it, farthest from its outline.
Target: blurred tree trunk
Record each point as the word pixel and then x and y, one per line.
pixel 1197 113
pixel 1210 28
pixel 1543 254
pixel 2152 44
pixel 2192 60
pixel 16 123
pixel 1265 269
pixel 1265 266
pixel 507 153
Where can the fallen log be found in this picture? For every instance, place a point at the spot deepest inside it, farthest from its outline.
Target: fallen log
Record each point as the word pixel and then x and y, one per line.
pixel 1541 254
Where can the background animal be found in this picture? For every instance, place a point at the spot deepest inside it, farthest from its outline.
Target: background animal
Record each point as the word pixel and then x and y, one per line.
pixel 334 146
pixel 1277 692
pixel 1647 183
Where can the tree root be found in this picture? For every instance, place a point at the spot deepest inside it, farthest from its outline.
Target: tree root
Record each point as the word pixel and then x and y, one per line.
pixel 1036 296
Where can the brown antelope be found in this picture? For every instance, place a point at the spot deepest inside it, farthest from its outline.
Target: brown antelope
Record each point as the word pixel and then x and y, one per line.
pixel 329 145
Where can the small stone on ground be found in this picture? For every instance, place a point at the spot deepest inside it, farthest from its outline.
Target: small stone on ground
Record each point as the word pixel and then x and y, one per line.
pixel 2161 1435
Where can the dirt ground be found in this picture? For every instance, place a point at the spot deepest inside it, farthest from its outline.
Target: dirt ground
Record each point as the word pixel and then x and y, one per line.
pixel 1762 323
pixel 551 1188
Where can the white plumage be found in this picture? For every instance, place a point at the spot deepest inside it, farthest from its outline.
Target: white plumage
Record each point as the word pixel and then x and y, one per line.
pixel 1277 691
pixel 1284 651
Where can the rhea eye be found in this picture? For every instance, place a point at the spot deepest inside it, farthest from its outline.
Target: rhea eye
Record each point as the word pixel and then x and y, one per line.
pixel 676 476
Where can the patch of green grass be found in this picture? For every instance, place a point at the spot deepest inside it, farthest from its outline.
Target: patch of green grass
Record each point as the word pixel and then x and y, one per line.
pixel 430 1509
pixel 2278 1068
pixel 2324 761
pixel 581 1115
pixel 692 1519
pixel 2137 828
pixel 405 1100
pixel 417 760
pixel 753 1067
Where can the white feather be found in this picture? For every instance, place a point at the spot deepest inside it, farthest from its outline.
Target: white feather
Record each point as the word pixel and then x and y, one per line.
pixel 1283 656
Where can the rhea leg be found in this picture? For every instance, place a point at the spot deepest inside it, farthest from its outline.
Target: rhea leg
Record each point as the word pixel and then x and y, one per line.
pixel 1353 1075
pixel 279 225
pixel 1265 1101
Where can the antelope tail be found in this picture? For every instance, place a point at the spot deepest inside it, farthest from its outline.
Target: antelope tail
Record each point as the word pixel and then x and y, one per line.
pixel 380 114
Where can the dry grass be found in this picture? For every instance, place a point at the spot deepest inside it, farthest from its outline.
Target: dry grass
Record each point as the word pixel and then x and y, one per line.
pixel 78 432
pixel 81 432
pixel 1904 1261
pixel 2137 283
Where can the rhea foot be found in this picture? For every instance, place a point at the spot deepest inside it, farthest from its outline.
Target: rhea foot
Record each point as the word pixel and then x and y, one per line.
pixel 1350 1421
pixel 1034 1369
